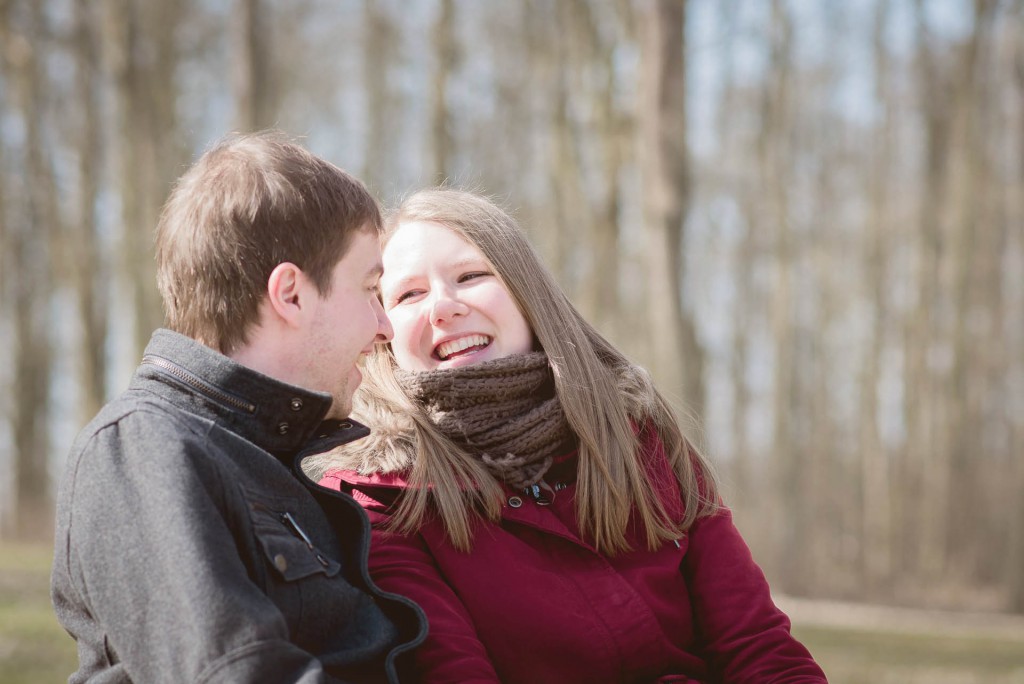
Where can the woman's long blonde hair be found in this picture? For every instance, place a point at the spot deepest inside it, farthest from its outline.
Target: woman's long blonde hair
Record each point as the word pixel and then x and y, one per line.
pixel 612 480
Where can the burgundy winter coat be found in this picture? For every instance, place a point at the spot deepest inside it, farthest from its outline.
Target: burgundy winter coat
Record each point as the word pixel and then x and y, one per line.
pixel 534 603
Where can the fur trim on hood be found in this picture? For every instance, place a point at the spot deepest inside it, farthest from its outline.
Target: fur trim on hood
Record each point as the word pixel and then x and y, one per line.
pixel 389 448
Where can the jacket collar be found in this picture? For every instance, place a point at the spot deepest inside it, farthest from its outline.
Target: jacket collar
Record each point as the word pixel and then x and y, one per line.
pixel 274 415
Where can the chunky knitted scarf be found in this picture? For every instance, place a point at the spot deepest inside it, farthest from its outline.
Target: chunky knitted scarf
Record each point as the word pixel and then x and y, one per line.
pixel 504 411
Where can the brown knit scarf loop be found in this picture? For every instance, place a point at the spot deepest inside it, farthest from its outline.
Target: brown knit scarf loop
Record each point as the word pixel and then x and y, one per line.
pixel 504 412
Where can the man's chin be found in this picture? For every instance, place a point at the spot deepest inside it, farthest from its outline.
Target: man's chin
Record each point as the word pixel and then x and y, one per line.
pixel 341 407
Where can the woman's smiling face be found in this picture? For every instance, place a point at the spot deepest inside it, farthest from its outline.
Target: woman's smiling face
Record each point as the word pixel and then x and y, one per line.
pixel 446 305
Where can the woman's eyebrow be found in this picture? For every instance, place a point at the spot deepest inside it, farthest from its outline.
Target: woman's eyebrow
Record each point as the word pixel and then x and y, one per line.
pixel 474 262
pixel 398 284
pixel 468 261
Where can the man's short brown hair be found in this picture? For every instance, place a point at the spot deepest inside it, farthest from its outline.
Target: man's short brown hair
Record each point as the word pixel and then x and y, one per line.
pixel 249 203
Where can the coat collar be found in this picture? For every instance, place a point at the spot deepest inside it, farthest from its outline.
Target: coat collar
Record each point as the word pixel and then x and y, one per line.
pixel 274 415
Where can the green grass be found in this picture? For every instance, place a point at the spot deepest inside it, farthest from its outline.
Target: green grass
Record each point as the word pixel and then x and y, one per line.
pixel 859 657
pixel 34 649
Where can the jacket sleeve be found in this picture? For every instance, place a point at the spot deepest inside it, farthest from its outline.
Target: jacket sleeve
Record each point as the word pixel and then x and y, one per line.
pixel 150 550
pixel 747 638
pixel 452 651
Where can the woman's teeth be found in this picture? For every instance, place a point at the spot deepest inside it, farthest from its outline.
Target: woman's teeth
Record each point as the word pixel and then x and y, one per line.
pixel 452 347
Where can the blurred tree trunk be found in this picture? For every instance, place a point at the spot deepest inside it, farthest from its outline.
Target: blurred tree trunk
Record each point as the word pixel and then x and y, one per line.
pixel 994 391
pixel 168 154
pixel 571 212
pixel 446 54
pixel 678 361
pixel 543 103
pixel 775 165
pixel 733 174
pixel 30 240
pixel 611 128
pixel 8 264
pixel 1000 483
pixel 973 224
pixel 602 286
pixel 875 484
pixel 378 39
pixel 250 60
pixel 743 464
pixel 822 504
pixel 515 92
pixel 928 456
pixel 826 508
pixel 1013 560
pixel 86 264
pixel 140 69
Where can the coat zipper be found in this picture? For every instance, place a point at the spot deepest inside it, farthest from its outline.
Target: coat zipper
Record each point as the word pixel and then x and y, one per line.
pixel 197 383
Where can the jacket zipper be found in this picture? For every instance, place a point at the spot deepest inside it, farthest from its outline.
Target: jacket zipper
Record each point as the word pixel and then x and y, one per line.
pixel 197 383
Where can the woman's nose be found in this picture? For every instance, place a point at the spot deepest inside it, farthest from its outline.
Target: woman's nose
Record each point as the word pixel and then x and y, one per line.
pixel 445 307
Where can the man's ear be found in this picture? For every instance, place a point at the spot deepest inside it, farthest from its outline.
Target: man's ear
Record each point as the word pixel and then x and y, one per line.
pixel 287 292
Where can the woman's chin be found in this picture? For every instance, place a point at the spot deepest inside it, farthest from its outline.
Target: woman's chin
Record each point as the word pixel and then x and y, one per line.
pixel 463 360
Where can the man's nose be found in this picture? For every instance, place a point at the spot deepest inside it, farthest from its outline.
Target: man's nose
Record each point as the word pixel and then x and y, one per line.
pixel 384 330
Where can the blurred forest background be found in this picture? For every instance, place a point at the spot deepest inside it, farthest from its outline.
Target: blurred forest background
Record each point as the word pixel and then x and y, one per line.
pixel 805 217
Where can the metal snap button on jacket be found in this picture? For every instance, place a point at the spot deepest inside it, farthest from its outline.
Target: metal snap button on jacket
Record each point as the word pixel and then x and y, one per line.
pixel 515 501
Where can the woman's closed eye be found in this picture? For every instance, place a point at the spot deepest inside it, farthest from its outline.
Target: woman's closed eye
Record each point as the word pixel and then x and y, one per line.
pixel 408 294
pixel 473 275
pixel 415 292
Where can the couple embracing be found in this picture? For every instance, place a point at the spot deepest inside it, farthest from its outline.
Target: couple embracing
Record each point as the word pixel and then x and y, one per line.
pixel 510 500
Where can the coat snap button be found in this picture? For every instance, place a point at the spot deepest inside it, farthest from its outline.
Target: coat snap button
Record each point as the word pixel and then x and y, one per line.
pixel 282 428
pixel 296 404
pixel 280 562
pixel 515 501
pixel 346 425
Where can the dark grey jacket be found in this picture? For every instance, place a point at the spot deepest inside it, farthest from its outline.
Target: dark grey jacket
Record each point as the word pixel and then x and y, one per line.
pixel 188 550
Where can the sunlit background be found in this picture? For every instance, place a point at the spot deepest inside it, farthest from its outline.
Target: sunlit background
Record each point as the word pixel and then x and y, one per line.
pixel 805 217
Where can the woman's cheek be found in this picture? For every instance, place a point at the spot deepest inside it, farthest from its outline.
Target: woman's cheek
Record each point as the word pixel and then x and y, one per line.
pixel 409 330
